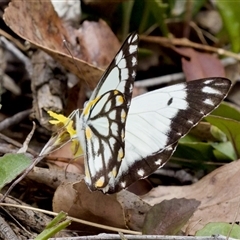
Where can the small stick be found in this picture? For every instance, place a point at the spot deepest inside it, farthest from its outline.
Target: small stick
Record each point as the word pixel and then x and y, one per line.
pixel 183 42
pixel 6 123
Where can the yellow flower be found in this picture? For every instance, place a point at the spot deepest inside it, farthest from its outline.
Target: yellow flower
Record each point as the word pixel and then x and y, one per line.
pixel 64 134
pixel 62 120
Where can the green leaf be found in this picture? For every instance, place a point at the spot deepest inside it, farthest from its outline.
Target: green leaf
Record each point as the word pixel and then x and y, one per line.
pixel 197 154
pixel 11 165
pixel 227 110
pixel 230 11
pixel 146 19
pixel 230 127
pixel 220 229
pixel 195 150
pixel 158 9
pixel 189 138
pixel 218 134
pixel 205 132
pixel 127 10
pixel 55 226
pixel 144 53
pixel 224 151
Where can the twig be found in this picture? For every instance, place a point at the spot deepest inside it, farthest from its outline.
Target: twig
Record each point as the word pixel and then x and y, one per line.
pixel 160 80
pixel 9 84
pixel 200 33
pixel 6 123
pixel 143 237
pixel 12 39
pixel 187 18
pixel 17 144
pixel 6 231
pixel 24 148
pixel 183 42
pixel 175 77
pixel 109 228
pixel 16 221
pixel 15 50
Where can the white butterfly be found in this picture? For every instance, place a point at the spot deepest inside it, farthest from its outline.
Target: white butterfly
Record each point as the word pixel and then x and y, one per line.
pixel 126 140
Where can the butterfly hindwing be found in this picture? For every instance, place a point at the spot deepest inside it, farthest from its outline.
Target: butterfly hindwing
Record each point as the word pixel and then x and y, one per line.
pixel 158 119
pixel 101 128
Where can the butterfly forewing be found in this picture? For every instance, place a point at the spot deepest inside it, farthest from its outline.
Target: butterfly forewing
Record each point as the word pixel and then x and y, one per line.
pixel 158 119
pixel 120 74
pixel 101 128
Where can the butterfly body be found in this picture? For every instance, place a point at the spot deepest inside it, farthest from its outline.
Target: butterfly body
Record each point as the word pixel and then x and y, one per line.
pixel 126 139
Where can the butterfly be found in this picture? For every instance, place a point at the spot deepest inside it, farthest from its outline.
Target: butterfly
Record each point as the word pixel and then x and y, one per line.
pixel 127 139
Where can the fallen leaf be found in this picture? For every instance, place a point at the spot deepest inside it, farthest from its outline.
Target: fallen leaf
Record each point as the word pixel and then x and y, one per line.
pixel 79 202
pixel 94 39
pixel 200 65
pixel 218 192
pixel 169 216
pixel 26 19
pixel 123 210
pixel 135 209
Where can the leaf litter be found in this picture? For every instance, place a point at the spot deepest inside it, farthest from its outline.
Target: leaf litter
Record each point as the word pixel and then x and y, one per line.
pixel 216 192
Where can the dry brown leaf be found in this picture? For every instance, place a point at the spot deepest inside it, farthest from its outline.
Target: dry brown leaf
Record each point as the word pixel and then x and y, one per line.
pixel 118 210
pixel 134 208
pixel 26 19
pixel 95 39
pixel 218 192
pixel 200 65
pixel 79 202
pixel 169 216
